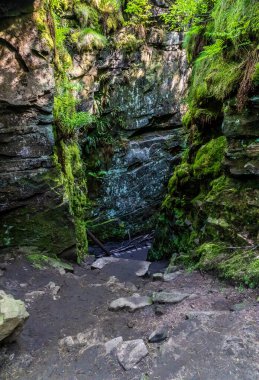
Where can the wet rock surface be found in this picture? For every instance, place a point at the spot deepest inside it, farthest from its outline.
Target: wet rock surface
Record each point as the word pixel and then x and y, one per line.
pixel 76 336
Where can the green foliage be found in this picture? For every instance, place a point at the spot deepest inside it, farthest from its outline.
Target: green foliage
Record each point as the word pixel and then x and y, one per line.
pixel 236 21
pixel 110 11
pixel 66 117
pixel 193 40
pixel 221 39
pixel 211 50
pixel 139 12
pixel 87 16
pixel 88 39
pixel 184 13
pixel 209 254
pixel 239 265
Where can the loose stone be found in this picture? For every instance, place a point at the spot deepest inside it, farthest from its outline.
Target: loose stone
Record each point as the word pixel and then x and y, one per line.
pixel 159 335
pixel 166 297
pixel 131 353
pixel 130 303
pixel 12 315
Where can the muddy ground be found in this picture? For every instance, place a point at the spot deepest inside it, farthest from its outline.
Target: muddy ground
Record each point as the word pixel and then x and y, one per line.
pixel 213 334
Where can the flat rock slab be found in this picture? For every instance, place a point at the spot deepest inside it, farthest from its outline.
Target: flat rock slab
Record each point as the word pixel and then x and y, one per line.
pixel 130 303
pixel 131 352
pixel 141 267
pixel 168 297
pixel 112 344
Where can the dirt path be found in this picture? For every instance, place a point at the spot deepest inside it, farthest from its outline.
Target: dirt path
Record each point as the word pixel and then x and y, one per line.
pixel 212 334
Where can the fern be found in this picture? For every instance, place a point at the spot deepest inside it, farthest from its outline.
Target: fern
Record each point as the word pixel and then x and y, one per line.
pixel 183 14
pixel 211 50
pixel 66 116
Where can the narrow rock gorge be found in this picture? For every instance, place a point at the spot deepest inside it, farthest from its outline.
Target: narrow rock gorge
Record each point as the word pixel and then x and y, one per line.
pixel 93 126
pixel 133 124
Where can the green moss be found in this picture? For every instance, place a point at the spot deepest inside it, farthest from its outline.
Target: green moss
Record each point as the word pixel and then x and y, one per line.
pixel 127 42
pixel 73 179
pixel 47 227
pixel 209 158
pixel 237 264
pixel 214 77
pixel 40 261
pixel 210 254
pixel 241 266
pixel 67 119
pixel 181 175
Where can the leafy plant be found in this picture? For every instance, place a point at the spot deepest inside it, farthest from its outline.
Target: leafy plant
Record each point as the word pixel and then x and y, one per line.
pixel 67 119
pixel 183 14
pixel 139 12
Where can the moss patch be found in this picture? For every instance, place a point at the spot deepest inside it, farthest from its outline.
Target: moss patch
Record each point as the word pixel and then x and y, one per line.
pixel 41 261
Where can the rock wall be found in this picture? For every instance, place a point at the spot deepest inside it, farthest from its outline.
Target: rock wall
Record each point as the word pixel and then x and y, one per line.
pixel 136 96
pixel 209 216
pixel 33 214
pixel 141 94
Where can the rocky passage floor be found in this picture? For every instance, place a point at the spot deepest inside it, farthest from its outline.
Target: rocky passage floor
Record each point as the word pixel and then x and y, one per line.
pixel 186 325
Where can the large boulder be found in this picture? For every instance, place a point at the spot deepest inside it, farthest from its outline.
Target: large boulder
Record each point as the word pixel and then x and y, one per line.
pixel 12 315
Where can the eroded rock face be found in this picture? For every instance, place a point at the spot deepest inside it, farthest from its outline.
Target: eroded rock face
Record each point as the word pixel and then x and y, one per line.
pixel 32 213
pixel 143 97
pixel 12 315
